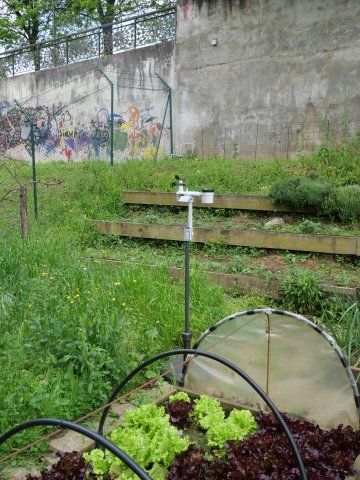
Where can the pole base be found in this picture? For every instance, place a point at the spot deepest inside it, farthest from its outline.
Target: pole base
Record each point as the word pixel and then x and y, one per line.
pixel 187 339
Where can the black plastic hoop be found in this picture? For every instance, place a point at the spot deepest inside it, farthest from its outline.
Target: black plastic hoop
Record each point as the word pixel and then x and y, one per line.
pixel 64 424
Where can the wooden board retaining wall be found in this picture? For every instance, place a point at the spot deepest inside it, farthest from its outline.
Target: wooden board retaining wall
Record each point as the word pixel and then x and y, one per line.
pixel 334 244
pixel 236 202
pixel 243 283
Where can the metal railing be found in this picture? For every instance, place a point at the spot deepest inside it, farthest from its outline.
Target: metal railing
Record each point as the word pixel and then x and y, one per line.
pixel 132 32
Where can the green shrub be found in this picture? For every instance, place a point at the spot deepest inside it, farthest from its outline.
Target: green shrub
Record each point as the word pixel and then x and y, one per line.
pixel 344 203
pixel 302 292
pixel 309 191
pixel 308 226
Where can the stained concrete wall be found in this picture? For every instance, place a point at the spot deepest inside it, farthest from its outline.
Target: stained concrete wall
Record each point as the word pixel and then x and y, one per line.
pixel 250 78
pixel 264 62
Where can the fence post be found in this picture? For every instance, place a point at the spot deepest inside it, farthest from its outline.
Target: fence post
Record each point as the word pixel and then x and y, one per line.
pixel 111 114
pixel 256 140
pixel 162 128
pixel 288 140
pixel 135 33
pixel 32 138
pixel 170 112
pixel 24 214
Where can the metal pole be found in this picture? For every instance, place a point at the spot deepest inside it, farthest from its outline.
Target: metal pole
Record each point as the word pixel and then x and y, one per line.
pixel 161 130
pixel 111 114
pixel 34 169
pixel 170 112
pixel 187 239
pixel 32 139
pixel 288 141
pixel 256 141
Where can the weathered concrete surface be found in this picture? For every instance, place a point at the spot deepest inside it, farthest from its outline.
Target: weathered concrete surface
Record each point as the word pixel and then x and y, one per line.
pixel 71 108
pixel 237 66
pixel 141 62
pixel 241 61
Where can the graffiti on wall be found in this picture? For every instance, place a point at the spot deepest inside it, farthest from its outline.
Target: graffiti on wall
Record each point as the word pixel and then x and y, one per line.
pixel 59 135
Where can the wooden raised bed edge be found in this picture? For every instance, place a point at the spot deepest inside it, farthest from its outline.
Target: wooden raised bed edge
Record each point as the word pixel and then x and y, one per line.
pixel 227 201
pixel 334 244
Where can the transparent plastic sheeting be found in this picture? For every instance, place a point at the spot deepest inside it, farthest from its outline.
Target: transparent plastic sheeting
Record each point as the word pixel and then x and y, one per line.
pixel 297 364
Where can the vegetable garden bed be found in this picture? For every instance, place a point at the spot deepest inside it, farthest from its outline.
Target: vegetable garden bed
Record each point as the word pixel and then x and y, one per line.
pixel 188 438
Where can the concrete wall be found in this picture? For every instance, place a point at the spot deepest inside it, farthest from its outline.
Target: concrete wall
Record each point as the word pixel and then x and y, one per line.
pixel 71 106
pixel 252 78
pixel 242 62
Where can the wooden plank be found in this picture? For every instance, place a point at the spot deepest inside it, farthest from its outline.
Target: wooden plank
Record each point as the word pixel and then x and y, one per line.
pixel 334 244
pixel 242 283
pixel 239 283
pixel 236 202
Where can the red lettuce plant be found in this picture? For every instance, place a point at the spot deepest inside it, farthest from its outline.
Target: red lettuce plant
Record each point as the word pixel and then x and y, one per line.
pixel 69 467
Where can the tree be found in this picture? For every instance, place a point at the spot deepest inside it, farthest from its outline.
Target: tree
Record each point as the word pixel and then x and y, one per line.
pixel 105 12
pixel 26 22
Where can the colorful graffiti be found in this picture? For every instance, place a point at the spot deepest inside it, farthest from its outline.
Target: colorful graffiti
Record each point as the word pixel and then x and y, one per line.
pixel 137 132
pixel 58 135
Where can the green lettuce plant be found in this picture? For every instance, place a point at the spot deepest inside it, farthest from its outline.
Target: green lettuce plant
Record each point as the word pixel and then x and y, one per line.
pixel 238 425
pixel 208 411
pixel 145 435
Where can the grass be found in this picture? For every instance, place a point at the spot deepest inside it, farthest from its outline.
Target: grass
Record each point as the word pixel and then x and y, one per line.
pixel 71 327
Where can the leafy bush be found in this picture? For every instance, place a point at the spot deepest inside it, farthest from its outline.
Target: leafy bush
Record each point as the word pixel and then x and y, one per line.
pixel 302 291
pixel 344 203
pixel 308 226
pixel 310 191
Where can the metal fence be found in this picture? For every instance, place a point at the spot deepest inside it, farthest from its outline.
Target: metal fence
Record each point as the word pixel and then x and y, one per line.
pixel 114 118
pixel 278 140
pixel 133 32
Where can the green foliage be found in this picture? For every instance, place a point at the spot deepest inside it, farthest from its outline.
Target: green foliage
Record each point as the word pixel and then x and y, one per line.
pixel 238 425
pixel 343 203
pixel 145 435
pixel 302 292
pixel 309 226
pixel 208 411
pixel 310 191
pixel 183 396
pixel 344 326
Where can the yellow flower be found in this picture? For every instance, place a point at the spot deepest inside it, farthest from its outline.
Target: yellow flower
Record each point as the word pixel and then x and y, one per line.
pixel 44 274
pixel 68 297
pixel 123 304
pixel 117 283
pixel 113 299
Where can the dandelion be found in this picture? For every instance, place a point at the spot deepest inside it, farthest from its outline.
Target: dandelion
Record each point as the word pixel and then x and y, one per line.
pixel 113 299
pixel 30 305
pixel 123 304
pixel 85 268
pixel 134 281
pixel 68 297
pixel 72 301
pixel 117 283
pixel 44 274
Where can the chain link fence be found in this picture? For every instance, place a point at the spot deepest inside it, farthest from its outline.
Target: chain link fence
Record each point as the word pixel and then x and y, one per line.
pixel 115 117
pixel 278 140
pixel 111 117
